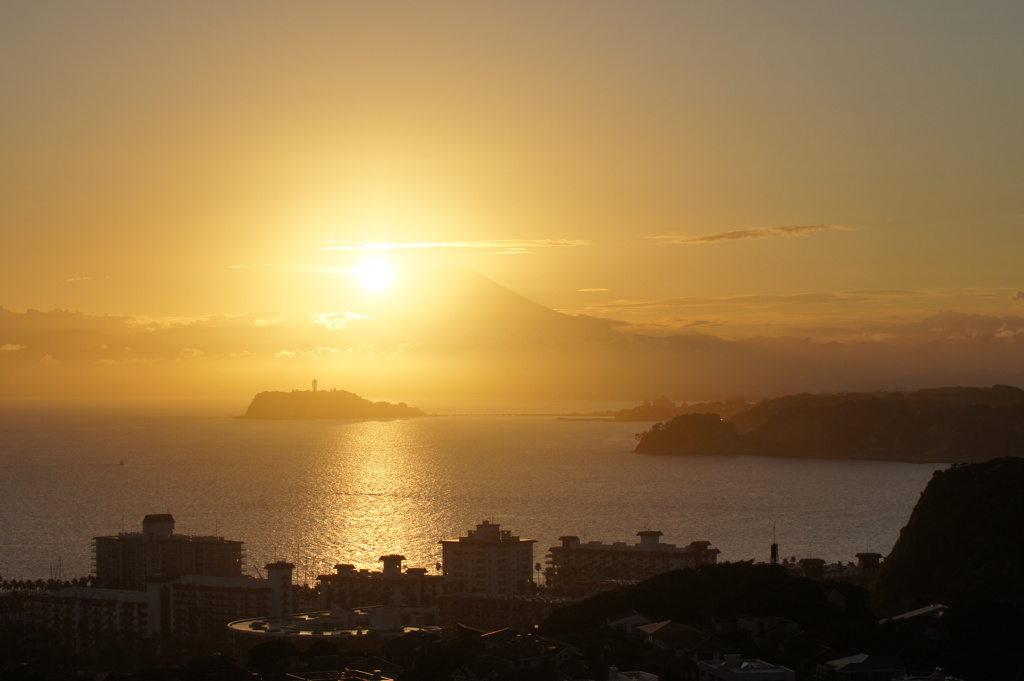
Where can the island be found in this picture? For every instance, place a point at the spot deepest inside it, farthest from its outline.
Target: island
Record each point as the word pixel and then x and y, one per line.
pixel 939 425
pixel 323 404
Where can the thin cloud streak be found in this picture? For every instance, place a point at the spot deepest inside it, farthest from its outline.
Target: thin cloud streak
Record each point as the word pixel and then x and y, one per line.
pixel 794 299
pixel 802 298
pixel 744 234
pixel 510 245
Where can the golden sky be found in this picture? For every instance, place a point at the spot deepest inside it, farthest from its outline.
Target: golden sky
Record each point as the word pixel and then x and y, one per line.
pixel 731 168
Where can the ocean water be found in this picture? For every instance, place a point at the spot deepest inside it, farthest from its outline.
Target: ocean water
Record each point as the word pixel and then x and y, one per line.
pixel 317 493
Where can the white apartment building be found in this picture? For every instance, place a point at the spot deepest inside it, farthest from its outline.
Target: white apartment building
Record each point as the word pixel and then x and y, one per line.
pixel 487 560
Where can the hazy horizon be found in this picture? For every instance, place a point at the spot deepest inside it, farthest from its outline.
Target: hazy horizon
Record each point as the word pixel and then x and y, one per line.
pixel 699 200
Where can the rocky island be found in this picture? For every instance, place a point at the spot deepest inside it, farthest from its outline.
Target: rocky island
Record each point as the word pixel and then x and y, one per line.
pixel 324 404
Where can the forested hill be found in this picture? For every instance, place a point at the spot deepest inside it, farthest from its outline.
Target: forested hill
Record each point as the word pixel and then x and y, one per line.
pixel 938 425
pixel 323 404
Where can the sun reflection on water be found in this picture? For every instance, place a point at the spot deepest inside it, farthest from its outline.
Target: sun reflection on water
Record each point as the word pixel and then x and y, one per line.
pixel 378 491
pixel 318 493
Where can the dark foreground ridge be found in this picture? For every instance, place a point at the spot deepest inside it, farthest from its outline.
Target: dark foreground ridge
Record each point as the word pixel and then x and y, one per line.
pixel 324 404
pixel 942 425
pixel 964 542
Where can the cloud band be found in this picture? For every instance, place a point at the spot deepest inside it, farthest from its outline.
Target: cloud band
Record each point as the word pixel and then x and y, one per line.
pixel 744 234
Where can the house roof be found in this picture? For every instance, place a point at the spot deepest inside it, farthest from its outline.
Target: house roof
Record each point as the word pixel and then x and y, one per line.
pixel 628 614
pixel 374 663
pixel 863 662
pixel 501 636
pixel 670 631
pixel 933 610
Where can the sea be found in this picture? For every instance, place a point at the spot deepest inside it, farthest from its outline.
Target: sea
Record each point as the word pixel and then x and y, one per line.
pixel 319 493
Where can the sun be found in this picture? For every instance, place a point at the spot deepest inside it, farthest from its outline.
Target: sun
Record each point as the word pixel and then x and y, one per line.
pixel 375 274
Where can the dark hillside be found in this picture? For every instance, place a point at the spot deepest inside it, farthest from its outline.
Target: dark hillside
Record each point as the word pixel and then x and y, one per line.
pixel 700 434
pixel 693 597
pixel 964 542
pixel 866 428
pixel 930 400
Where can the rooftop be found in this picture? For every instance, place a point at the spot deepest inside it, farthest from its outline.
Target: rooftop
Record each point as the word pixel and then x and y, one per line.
pixel 334 623
pixel 738 666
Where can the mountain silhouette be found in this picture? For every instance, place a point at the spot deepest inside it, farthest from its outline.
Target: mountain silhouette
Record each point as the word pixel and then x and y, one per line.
pixel 469 332
pixel 457 309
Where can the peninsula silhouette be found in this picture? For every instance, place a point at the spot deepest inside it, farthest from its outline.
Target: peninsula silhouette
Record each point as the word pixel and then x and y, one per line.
pixel 941 425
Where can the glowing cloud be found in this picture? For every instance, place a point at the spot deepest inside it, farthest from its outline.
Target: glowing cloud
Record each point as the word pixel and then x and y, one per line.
pixel 744 234
pixel 273 321
pixel 191 354
pixel 321 352
pixel 336 320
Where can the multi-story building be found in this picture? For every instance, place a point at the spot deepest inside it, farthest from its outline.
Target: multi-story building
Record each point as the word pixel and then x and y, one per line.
pixel 487 560
pixel 168 585
pixel 87 618
pixel 127 559
pixel 351 588
pixel 574 563
pixel 189 608
pixel 200 606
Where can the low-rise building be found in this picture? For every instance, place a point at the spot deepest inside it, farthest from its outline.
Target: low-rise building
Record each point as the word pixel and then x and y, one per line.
pixel 627 622
pixel 737 668
pixel 574 563
pixel 351 588
pixel 862 667
pixel 357 629
pixel 669 635
pixel 616 675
